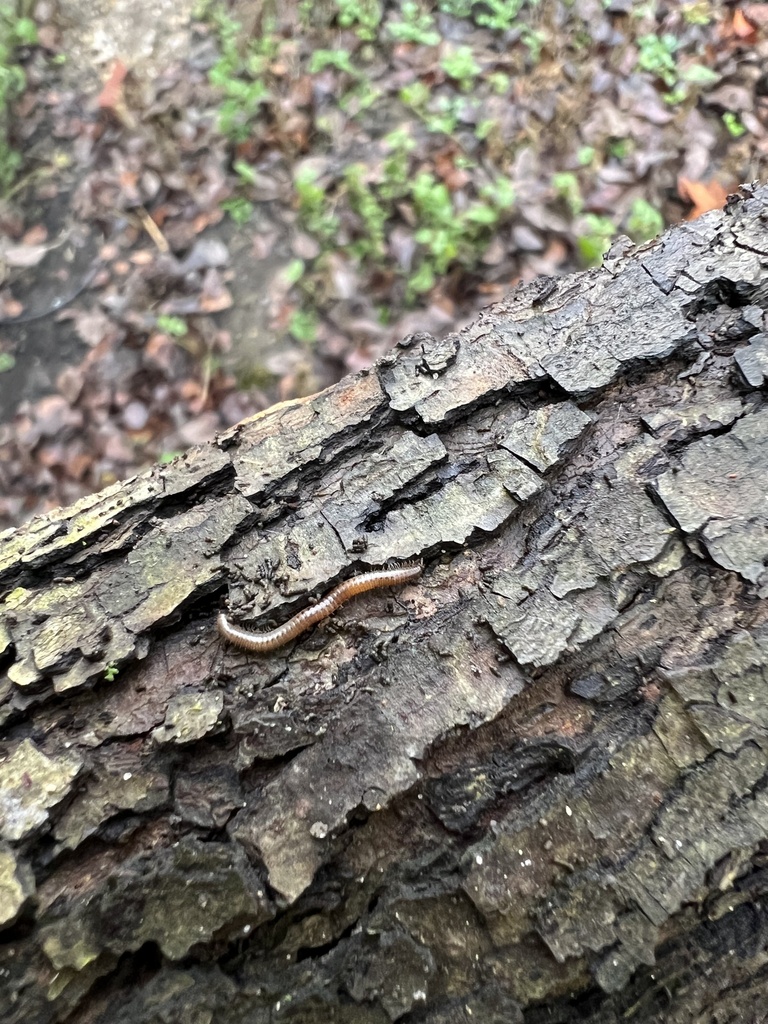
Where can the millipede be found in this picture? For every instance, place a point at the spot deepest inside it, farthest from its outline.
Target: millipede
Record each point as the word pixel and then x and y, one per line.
pixel 270 640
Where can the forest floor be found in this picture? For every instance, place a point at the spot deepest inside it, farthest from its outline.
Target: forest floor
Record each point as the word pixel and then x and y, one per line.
pixel 237 204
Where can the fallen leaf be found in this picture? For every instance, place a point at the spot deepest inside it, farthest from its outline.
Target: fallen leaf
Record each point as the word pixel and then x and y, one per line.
pixel 741 28
pixel 24 255
pixel 112 92
pixel 10 308
pixel 705 196
pixel 36 234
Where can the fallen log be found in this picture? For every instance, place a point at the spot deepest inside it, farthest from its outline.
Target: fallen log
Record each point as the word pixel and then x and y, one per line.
pixel 530 784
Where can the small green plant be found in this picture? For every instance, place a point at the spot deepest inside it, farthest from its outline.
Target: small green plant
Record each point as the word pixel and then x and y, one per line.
pixel 416 95
pixel 166 457
pixel 656 54
pixel 396 165
pixel 362 16
pixel 7 362
pixel 238 208
pixel 700 75
pixel 567 187
pixel 500 15
pixel 360 97
pixel 245 172
pixel 339 59
pixel 315 210
pixel 303 326
pixel 533 40
pixel 733 123
pixel 374 216
pixel 596 237
pixel 15 31
pixel 293 272
pixel 699 13
pixel 500 82
pixel 442 117
pixel 644 221
pixel 111 672
pixel 461 66
pixel 620 149
pixel 440 114
pixel 173 325
pixel 449 235
pixel 457 8
pixel 417 25
pixel 238 73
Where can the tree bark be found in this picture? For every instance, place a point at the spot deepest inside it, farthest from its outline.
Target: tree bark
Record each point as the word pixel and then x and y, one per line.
pixel 530 785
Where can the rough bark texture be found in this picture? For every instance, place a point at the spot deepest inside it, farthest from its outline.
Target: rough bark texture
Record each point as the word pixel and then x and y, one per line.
pixel 532 785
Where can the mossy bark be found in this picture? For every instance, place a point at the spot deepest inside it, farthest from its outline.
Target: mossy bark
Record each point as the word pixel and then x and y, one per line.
pixel 532 785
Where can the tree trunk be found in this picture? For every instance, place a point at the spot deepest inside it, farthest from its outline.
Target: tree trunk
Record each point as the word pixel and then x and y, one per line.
pixel 529 785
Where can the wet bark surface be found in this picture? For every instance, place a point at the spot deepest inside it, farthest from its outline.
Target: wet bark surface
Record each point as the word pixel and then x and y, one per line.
pixel 530 785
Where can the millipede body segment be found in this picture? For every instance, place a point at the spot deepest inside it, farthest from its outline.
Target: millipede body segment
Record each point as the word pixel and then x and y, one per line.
pixel 274 638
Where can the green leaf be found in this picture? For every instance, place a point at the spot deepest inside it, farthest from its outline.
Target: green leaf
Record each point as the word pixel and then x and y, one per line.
pixel 303 326
pixel 239 209
pixel 644 221
pixel 733 124
pixel 294 271
pixel 460 64
pixel 339 59
pixel 173 325
pixel 479 213
pixel 422 280
pixel 166 457
pixel 698 74
pixel 415 95
pixel 246 172
pixel 25 31
pixel 566 184
pixel 501 193
pixel 596 239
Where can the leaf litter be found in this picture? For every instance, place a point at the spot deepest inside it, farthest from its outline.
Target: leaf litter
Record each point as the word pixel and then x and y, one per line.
pixel 184 248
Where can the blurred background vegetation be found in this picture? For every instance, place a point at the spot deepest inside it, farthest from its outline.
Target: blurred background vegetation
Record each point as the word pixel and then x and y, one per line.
pixel 190 233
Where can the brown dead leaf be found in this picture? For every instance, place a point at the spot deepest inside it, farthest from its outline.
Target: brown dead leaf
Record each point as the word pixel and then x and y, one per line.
pixel 741 28
pixel 54 415
pixel 77 464
pixel 36 235
pixel 445 165
pixel 159 352
pixel 93 326
pixel 10 307
pixel 142 257
pixel 705 196
pixel 70 383
pixel 111 94
pixel 206 219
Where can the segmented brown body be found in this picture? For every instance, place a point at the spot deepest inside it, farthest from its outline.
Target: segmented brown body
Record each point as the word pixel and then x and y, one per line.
pixel 269 641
